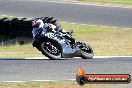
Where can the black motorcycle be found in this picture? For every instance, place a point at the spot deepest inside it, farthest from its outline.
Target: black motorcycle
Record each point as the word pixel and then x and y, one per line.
pixel 60 45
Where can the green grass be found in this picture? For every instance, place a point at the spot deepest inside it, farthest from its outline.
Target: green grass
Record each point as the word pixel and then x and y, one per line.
pixel 105 41
pixel 127 2
pixel 15 51
pixel 60 84
pixel 5 16
pixel 50 84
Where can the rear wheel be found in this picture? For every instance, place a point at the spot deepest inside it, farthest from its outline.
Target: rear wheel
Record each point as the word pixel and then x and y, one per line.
pixel 50 50
pixel 86 51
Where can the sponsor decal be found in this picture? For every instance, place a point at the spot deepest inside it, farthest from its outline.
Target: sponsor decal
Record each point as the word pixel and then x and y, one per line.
pixel 82 78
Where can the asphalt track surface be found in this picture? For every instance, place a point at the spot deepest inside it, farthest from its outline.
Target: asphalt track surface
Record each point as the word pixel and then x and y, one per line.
pixel 37 69
pixel 78 13
pixel 45 69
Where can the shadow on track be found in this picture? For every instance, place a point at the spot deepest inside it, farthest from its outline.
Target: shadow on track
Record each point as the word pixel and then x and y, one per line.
pixel 46 59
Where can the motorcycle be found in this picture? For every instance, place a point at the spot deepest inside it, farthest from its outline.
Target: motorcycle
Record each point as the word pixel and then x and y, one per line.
pixel 60 45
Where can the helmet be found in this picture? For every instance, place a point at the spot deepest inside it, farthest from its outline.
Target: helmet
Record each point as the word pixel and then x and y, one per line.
pixel 36 24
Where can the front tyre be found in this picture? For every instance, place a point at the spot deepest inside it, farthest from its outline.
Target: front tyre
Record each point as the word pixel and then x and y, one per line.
pixel 50 50
pixel 86 51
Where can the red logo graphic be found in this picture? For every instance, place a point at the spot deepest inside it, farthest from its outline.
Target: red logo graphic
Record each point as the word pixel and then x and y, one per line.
pixel 83 78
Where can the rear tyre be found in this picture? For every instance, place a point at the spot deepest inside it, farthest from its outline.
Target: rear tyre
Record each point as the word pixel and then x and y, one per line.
pixel 50 50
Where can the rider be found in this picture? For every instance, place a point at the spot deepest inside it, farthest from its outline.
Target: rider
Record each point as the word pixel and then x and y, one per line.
pixel 39 26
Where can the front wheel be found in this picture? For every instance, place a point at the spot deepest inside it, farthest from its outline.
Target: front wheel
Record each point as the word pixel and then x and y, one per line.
pixel 50 50
pixel 86 51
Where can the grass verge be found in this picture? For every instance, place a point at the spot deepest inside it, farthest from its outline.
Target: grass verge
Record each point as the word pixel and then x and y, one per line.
pixel 105 41
pixel 60 84
pixel 125 2
pixel 50 84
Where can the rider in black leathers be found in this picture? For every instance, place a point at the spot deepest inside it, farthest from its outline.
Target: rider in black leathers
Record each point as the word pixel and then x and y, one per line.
pixel 39 25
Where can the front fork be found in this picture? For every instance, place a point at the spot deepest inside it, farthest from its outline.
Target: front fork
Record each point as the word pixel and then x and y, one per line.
pixel 36 44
